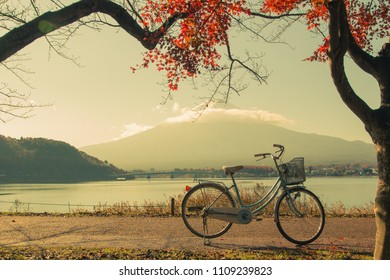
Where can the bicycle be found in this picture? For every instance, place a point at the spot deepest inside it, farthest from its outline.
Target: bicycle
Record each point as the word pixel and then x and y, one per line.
pixel 209 209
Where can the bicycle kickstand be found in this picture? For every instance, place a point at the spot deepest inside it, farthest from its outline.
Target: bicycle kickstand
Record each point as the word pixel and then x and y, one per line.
pixel 206 241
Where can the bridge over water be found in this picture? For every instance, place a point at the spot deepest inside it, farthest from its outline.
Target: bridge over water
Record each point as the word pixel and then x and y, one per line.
pixel 168 174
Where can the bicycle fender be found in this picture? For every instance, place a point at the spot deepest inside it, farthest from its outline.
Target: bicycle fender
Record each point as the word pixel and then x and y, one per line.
pixel 298 187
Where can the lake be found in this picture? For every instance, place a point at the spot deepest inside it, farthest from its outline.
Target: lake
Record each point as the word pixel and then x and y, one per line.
pixel 351 191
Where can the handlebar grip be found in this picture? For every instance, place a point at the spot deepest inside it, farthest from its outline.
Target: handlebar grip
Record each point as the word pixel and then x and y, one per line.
pixel 281 150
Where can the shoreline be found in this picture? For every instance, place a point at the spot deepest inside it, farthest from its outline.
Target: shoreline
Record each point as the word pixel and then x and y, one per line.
pixel 168 178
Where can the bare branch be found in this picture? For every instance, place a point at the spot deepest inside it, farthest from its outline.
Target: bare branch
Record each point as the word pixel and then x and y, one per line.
pixel 14 104
pixel 261 79
pixel 212 98
pixel 15 66
pixel 135 12
pixel 256 14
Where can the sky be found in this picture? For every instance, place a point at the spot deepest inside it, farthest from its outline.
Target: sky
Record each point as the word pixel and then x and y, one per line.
pixel 101 100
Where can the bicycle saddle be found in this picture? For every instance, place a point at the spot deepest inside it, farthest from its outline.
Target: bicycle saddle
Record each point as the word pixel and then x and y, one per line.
pixel 232 169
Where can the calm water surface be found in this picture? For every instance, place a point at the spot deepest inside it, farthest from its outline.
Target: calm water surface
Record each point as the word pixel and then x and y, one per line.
pixel 352 191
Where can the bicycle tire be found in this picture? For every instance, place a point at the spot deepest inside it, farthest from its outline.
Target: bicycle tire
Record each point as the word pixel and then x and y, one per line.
pixel 302 219
pixel 194 203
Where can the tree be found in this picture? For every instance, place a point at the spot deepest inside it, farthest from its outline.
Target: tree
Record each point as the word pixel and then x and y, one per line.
pixel 185 38
pixel 353 27
pixel 376 121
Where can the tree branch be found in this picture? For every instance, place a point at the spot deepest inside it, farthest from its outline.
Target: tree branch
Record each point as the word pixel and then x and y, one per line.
pixel 364 60
pixel 135 11
pixel 14 104
pixel 256 14
pixel 339 44
pixel 20 37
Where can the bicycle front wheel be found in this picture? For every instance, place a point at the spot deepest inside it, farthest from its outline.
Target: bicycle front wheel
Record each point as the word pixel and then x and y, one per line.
pixel 194 214
pixel 299 216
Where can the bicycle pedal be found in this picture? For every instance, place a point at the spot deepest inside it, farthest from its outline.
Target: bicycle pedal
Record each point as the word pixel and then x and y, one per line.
pixel 258 219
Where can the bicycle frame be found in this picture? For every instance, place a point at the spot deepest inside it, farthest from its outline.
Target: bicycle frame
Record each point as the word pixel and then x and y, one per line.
pixel 263 202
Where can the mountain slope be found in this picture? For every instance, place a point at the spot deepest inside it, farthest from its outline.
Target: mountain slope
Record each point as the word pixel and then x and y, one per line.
pixel 217 143
pixel 43 160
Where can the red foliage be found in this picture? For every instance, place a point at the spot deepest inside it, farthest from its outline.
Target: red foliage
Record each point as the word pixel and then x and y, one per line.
pixel 280 6
pixel 190 46
pixel 368 19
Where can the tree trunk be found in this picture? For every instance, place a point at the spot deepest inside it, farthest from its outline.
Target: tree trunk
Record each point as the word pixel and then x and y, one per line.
pixel 381 138
pixel 382 207
pixel 377 122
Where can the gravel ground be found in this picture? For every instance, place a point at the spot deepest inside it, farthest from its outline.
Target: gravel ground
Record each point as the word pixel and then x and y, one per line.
pixel 353 234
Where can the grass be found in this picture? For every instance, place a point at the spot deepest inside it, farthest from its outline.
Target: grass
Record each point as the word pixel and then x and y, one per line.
pixel 164 208
pixel 250 195
pixel 80 253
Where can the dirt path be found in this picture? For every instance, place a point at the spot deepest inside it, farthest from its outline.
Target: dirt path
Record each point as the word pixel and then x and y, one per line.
pixel 356 234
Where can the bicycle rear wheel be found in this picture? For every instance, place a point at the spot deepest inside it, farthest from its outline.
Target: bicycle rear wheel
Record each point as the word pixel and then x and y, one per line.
pixel 193 209
pixel 300 216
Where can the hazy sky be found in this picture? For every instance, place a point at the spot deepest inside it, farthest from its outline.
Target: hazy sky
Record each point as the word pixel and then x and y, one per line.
pixel 103 100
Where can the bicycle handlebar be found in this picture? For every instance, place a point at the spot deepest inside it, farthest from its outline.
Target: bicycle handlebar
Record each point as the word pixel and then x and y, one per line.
pixel 264 155
pixel 280 151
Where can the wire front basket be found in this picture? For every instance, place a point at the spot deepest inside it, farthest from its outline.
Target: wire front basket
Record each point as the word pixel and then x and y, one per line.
pixel 294 171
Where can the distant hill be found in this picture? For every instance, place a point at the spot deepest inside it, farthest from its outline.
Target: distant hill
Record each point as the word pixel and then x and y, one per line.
pixel 215 143
pixel 43 160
